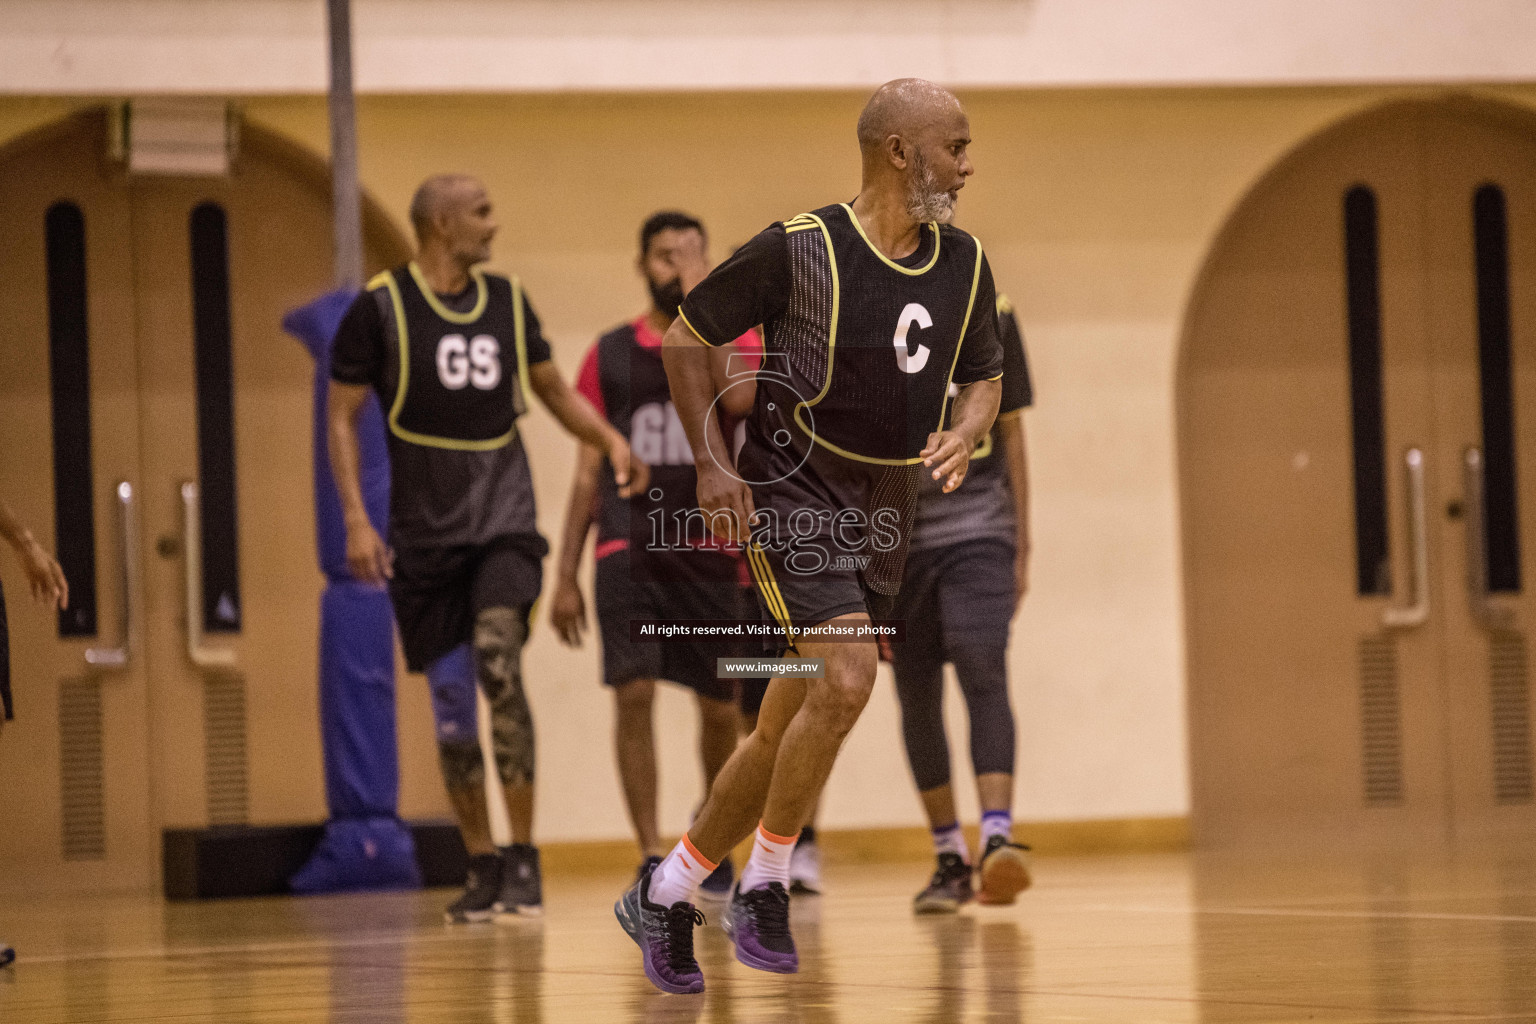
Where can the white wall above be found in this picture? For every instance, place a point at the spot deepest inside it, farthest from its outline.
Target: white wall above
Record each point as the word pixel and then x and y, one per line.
pixel 116 47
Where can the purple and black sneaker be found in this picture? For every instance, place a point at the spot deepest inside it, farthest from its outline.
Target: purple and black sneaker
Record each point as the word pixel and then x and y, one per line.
pixel 758 923
pixel 664 935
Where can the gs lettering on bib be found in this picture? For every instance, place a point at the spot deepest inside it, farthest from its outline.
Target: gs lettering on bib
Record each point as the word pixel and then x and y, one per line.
pixel 638 402
pixel 657 436
pixel 463 376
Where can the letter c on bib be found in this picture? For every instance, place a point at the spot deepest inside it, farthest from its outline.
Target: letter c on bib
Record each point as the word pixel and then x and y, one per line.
pixel 911 362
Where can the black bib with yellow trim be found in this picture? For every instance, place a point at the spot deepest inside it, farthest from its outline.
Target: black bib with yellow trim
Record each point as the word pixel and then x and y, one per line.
pixel 462 376
pixel 869 346
pixel 638 401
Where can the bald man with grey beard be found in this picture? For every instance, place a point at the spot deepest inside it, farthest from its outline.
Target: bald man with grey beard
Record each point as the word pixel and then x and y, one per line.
pixel 824 490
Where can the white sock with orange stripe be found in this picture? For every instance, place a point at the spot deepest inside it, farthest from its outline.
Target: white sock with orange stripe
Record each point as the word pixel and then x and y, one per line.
pixel 675 878
pixel 769 861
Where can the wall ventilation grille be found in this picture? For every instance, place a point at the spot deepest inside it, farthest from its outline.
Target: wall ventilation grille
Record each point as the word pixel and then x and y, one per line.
pixel 1510 703
pixel 224 729
pixel 82 801
pixel 1381 722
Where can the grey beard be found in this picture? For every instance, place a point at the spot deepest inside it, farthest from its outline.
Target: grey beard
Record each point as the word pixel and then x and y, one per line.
pixel 925 201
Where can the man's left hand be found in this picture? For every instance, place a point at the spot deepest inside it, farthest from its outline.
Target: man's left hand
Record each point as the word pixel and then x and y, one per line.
pixel 689 262
pixel 947 456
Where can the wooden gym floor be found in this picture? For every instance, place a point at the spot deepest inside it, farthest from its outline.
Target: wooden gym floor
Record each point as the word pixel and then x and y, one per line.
pixel 1144 938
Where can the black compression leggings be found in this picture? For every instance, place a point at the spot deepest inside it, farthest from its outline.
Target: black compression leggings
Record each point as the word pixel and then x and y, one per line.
pixel 983 672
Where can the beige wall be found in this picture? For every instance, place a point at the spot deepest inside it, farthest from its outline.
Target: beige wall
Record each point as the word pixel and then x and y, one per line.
pixel 1097 208
pixel 278 47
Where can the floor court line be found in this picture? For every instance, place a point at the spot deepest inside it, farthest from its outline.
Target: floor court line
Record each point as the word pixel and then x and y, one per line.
pixel 298 946
pixel 1365 915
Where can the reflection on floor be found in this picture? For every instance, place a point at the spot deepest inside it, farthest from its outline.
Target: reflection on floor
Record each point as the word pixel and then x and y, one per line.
pixel 1144 939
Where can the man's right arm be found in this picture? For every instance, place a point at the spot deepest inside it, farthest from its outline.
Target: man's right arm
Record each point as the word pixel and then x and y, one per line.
pixel 367 555
pixel 751 287
pixel 734 368
pixel 568 612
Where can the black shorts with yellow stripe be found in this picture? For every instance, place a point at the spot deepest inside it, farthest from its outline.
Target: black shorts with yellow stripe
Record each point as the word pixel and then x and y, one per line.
pixel 795 601
pixel 813 554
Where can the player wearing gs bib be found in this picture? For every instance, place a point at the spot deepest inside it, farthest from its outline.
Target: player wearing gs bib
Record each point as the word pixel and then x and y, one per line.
pixel 871 310
pixel 452 353
pixel 654 560
pixel 964 580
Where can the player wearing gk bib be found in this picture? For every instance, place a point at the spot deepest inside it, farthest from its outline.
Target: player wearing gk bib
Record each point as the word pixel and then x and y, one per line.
pixel 870 310
pixel 964 579
pixel 452 352
pixel 655 559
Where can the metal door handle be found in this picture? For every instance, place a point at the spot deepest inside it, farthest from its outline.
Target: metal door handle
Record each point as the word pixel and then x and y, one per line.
pixel 1488 614
pixel 202 655
pixel 1416 613
pixel 114 658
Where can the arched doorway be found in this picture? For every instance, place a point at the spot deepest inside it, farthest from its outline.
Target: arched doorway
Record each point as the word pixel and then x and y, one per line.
pixel 128 300
pixel 1359 363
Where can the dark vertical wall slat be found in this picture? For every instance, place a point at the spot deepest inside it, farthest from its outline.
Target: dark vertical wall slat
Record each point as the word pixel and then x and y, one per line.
pixel 215 418
pixel 1500 492
pixel 69 373
pixel 1373 573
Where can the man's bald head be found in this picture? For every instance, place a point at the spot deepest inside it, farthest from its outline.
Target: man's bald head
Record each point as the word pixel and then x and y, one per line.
pixel 452 213
pixel 913 136
pixel 439 195
pixel 907 107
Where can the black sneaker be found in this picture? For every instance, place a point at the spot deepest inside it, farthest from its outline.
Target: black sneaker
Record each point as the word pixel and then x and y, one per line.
pixel 948 890
pixel 1004 872
pixel 7 955
pixel 758 923
pixel 522 887
pixel 480 890
pixel 648 864
pixel 718 885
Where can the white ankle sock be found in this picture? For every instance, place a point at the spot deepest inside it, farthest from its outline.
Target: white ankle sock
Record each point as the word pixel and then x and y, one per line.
pixel 679 874
pixel 996 823
pixel 769 861
pixel 950 839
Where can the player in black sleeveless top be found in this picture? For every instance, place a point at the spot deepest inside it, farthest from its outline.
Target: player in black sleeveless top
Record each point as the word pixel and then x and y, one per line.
pixel 48 587
pixel 650 566
pixel 962 584
pixel 452 353
pixel 871 310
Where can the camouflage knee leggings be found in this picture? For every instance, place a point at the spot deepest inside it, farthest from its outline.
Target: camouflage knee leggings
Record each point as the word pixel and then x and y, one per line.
pixel 499 637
